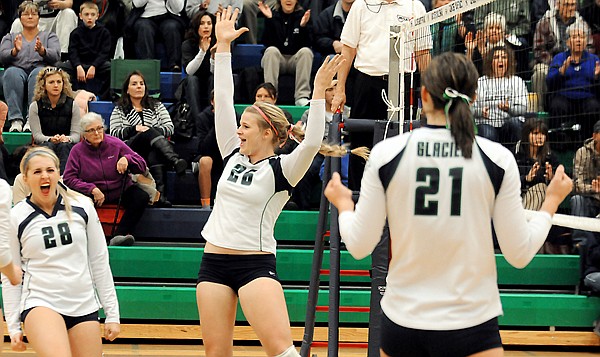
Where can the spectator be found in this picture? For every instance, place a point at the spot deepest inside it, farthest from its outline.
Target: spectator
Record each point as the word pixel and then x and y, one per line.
pixel 209 161
pixel 89 50
pixel 111 14
pixel 193 7
pixel 590 12
pixel 54 16
pixel 501 99
pixel 198 62
pixel 448 35
pixel 8 11
pixel 249 17
pixel 3 151
pixel 145 124
pixel 537 164
pixel 24 54
pixel 518 26
pixel 492 35
pixel 586 170
pixel 287 39
pixel 98 167
pixel 160 19
pixel 53 114
pixel 549 40
pixel 572 81
pixel 328 27
pixel 366 38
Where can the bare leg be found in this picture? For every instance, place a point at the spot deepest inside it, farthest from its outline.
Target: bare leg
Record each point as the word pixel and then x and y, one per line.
pixel 263 303
pixel 47 333
pixel 85 339
pixel 217 307
pixel 204 182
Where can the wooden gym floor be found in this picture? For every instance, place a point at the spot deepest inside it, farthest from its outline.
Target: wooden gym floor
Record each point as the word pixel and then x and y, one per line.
pixel 146 350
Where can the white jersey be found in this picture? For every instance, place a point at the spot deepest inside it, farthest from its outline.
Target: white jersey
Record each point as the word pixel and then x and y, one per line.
pixel 64 260
pixel 250 197
pixel 5 205
pixel 440 207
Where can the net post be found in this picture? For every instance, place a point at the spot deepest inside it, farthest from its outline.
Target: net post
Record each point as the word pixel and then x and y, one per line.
pixel 394 72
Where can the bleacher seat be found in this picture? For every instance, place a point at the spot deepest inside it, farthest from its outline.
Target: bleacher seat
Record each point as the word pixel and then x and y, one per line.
pixel 103 108
pixel 121 68
pixel 169 81
pixel 246 55
pixel 14 140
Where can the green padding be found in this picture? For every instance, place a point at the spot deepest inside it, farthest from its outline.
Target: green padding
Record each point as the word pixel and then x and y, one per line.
pixel 543 270
pixel 296 225
pixel 295 265
pixel 14 140
pixel 170 303
pixel 294 110
pixel 160 263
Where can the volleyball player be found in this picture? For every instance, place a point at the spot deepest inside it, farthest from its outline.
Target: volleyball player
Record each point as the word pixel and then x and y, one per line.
pixel 239 256
pixel 58 241
pixel 440 188
pixel 12 272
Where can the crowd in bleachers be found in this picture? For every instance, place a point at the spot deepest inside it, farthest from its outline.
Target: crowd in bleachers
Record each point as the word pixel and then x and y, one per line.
pixel 537 60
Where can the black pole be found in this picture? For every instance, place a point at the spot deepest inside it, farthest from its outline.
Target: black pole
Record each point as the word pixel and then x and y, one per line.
pixel 317 263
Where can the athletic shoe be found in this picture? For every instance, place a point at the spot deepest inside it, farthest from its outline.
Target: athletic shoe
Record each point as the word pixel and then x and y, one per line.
pixel 16 126
pixel 125 241
pixel 26 128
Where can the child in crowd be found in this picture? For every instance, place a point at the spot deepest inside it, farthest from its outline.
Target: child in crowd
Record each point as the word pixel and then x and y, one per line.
pixel 89 50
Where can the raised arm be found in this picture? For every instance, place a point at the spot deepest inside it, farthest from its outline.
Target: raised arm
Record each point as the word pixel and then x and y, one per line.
pixel 296 164
pixel 225 124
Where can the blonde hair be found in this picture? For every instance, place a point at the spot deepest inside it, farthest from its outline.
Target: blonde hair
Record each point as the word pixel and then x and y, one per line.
pixel 89 5
pixel 40 85
pixel 47 152
pixel 494 19
pixel 272 117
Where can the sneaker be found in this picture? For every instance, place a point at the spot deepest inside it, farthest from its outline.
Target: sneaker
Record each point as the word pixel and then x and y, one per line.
pixel 125 241
pixel 196 168
pixel 26 128
pixel 16 126
pixel 302 102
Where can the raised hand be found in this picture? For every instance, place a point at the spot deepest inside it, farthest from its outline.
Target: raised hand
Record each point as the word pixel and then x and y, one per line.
pixel 225 29
pixel 204 43
pixel 305 18
pixel 560 186
pixel 325 74
pixel 18 42
pixel 549 174
pixel 266 10
pixel 565 65
pixel 39 48
pixel 532 172
pixel 338 194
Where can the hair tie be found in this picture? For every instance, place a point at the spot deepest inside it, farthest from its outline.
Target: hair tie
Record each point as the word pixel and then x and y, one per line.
pixel 262 114
pixel 449 95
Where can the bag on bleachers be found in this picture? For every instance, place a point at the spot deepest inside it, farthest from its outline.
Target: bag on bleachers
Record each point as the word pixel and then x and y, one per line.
pixel 182 120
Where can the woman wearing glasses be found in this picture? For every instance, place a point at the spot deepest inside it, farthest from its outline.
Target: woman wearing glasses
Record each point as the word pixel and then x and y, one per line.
pixel 53 115
pixel 97 167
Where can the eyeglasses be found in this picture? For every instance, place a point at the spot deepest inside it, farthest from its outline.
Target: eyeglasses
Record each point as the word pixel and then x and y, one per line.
pixel 27 14
pixel 97 130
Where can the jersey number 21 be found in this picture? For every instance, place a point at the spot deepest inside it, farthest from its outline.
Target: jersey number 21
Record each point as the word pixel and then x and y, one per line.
pixel 431 175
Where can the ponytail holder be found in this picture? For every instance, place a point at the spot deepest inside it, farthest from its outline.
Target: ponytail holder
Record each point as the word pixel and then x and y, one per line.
pixel 449 95
pixel 290 134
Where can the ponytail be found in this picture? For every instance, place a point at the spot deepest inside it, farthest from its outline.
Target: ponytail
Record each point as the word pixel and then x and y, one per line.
pixel 451 80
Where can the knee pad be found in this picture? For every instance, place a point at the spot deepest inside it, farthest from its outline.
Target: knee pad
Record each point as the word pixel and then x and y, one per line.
pixel 290 352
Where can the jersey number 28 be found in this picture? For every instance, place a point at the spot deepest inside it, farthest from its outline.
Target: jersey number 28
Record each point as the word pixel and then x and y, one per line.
pixel 431 176
pixel 64 234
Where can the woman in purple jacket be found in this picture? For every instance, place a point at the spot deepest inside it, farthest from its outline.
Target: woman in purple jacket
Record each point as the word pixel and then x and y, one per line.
pixel 97 167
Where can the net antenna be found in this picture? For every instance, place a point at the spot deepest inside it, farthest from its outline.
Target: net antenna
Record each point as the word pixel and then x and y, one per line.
pixel 399 35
